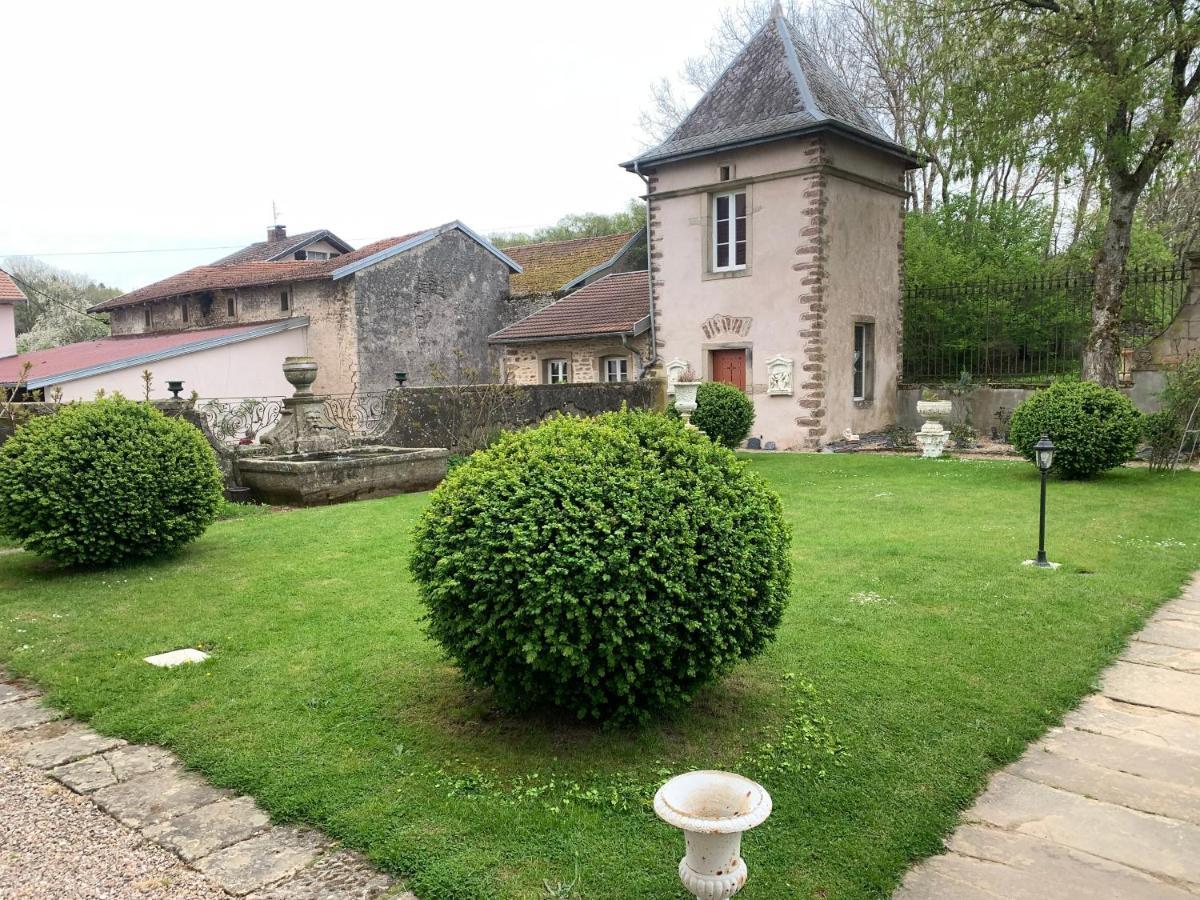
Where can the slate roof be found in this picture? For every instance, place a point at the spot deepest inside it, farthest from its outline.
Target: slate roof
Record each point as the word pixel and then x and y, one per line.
pixel 271 251
pixel 550 266
pixel 105 354
pixel 9 292
pixel 778 86
pixel 616 304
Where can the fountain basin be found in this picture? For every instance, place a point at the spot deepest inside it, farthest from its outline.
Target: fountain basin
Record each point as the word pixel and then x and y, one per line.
pixel 337 476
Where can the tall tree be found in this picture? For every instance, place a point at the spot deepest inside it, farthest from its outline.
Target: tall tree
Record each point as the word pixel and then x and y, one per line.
pixel 1115 77
pixel 58 300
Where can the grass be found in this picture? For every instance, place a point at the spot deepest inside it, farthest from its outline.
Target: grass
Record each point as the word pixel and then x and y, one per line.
pixel 917 654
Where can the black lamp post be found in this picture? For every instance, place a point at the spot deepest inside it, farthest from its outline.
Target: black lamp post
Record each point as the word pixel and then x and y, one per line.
pixel 176 388
pixel 1043 454
pixel 400 377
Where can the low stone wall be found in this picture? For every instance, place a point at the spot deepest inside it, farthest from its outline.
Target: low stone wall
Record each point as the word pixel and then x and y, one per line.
pixel 987 407
pixel 464 418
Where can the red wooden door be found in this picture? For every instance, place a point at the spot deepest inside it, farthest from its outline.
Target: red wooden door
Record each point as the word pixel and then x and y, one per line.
pixel 729 366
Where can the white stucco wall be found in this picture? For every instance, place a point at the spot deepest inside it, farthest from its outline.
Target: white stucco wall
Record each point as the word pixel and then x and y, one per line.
pixel 8 330
pixel 251 368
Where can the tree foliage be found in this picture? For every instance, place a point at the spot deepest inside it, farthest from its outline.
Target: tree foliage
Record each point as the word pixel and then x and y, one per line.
pixel 579 225
pixel 55 313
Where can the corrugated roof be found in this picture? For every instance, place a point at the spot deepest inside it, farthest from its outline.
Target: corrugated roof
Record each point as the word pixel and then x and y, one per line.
pixel 777 86
pixel 616 304
pixel 9 292
pixel 274 251
pixel 551 265
pixel 78 360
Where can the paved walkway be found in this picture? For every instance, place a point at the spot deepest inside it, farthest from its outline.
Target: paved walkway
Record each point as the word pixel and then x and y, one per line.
pixel 1107 805
pixel 90 816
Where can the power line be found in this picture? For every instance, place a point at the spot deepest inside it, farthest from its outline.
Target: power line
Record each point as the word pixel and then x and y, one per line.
pixel 29 287
pixel 122 252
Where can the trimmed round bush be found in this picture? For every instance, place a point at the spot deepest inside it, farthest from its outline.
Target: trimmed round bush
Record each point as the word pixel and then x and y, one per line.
pixel 723 412
pixel 98 483
pixel 606 566
pixel 1094 428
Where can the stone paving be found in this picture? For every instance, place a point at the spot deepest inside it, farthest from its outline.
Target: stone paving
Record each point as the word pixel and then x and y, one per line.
pixel 222 844
pixel 1108 805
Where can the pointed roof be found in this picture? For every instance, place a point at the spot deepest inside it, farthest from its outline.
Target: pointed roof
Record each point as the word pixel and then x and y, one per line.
pixel 274 251
pixel 561 265
pixel 9 292
pixel 778 86
pixel 613 306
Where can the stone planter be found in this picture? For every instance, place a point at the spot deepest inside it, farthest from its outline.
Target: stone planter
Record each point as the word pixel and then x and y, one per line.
pixel 934 410
pixel 316 479
pixel 685 399
pixel 301 372
pixel 712 809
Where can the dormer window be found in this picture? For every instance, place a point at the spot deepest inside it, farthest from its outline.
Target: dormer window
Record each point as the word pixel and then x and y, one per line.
pixel 312 254
pixel 729 232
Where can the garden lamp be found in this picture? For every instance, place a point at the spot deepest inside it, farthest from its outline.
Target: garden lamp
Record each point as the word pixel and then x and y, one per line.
pixel 1043 454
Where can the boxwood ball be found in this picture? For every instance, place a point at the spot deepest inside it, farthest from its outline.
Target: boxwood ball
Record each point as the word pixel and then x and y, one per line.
pixel 101 482
pixel 606 566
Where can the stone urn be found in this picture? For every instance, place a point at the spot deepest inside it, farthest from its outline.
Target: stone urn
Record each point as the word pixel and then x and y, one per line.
pixel 301 372
pixel 934 410
pixel 932 437
pixel 685 400
pixel 712 809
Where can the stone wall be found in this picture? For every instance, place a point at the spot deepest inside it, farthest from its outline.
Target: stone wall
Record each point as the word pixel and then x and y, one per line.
pixel 462 418
pixel 525 363
pixel 428 312
pixel 1180 340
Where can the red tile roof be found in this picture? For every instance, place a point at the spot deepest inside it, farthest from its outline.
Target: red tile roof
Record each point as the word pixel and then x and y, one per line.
pixel 615 304
pixel 550 265
pixel 252 274
pixel 9 292
pixel 47 364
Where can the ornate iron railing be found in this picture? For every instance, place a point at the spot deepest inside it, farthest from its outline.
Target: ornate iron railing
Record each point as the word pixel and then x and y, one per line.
pixel 1027 330
pixel 240 420
pixel 356 413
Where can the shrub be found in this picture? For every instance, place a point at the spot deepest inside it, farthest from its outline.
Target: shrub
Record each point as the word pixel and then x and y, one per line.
pixel 723 412
pixel 963 435
pixel 606 566
pixel 1094 428
pixel 106 481
pixel 1162 433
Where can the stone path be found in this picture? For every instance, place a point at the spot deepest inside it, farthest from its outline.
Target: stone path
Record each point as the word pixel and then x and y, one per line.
pixel 1107 805
pixel 90 816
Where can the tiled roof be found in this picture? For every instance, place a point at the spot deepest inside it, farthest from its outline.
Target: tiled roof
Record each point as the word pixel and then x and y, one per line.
pixel 9 292
pixel 616 304
pixel 551 265
pixel 49 365
pixel 270 251
pixel 777 86
pixel 251 274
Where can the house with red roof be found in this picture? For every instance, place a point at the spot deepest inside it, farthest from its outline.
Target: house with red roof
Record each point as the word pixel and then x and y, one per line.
pixel 421 303
pixel 10 296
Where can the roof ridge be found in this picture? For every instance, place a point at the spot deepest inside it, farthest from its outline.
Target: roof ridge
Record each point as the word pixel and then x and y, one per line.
pixel 783 30
pixel 588 237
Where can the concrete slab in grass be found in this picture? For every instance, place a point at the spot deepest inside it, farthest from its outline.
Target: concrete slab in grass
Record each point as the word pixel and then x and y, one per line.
pixel 157 796
pixel 1163 655
pixel 1142 725
pixel 1174 633
pixel 264 860
pixel 1151 686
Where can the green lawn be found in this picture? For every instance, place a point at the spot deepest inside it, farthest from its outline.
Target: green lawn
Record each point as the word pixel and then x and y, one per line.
pixel 917 654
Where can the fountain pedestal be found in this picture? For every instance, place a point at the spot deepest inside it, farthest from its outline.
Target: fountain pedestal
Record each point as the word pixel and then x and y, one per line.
pixel 303 426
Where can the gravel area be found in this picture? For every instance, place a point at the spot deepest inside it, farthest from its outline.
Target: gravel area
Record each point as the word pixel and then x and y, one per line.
pixel 57 844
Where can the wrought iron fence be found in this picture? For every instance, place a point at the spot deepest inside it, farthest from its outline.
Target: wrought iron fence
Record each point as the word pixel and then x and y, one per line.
pixel 1026 330
pixel 357 413
pixel 240 420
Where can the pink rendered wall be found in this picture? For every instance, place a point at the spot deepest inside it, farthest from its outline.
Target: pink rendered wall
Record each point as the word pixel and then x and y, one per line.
pixel 250 368
pixel 8 330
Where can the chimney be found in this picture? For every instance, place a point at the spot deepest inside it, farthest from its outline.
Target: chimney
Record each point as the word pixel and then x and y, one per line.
pixel 276 233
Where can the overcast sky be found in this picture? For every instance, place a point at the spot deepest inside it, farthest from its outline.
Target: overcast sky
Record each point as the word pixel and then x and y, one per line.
pixel 135 126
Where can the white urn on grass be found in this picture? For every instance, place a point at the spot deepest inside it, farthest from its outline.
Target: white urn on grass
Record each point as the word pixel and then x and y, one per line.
pixel 712 809
pixel 686 387
pixel 932 437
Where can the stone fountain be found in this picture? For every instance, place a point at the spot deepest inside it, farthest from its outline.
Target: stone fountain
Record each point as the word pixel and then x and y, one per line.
pixel 310 461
